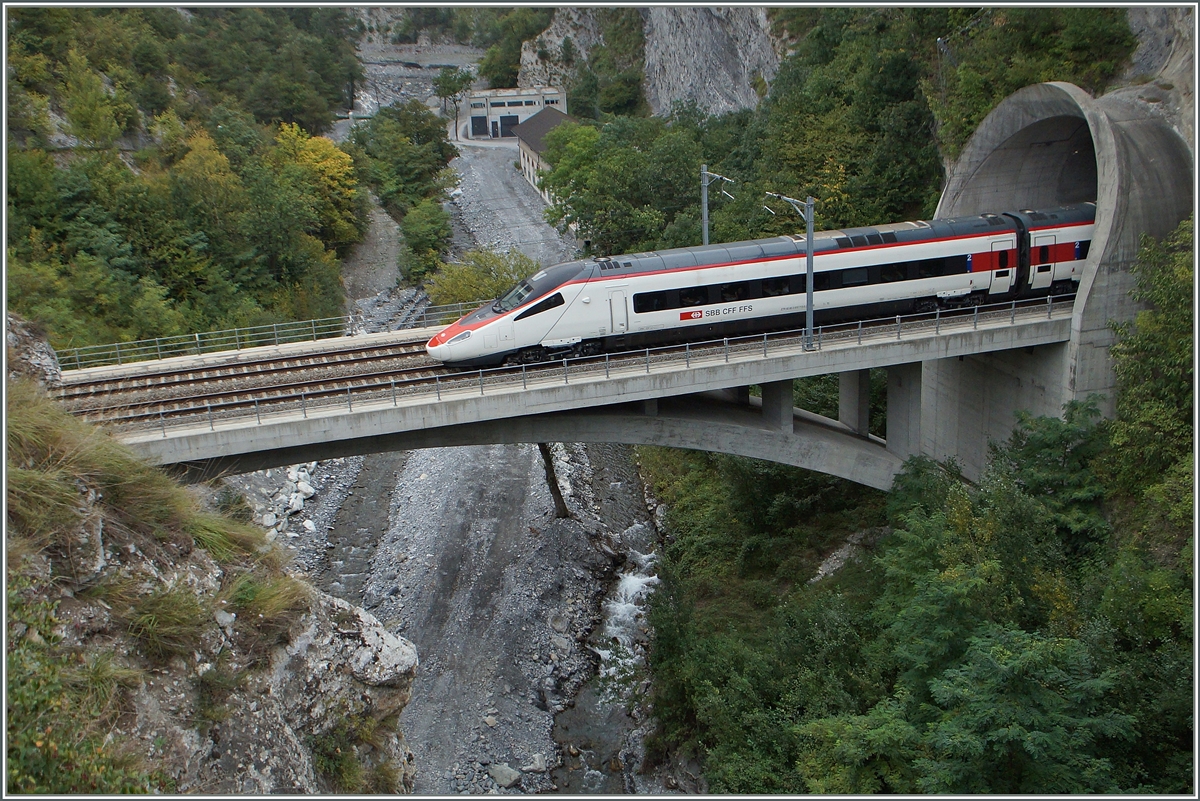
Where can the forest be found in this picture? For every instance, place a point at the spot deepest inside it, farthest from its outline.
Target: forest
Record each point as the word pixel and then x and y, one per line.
pixel 1028 633
pixel 156 187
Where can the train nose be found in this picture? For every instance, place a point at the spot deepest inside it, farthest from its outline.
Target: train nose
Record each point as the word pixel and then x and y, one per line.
pixel 435 351
pixel 441 346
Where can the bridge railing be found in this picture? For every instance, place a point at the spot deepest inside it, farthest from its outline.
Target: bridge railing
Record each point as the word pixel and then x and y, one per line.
pixel 569 369
pixel 207 342
pixel 238 338
pixel 444 315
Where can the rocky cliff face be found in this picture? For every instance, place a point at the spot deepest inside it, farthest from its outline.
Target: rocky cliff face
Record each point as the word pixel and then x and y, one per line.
pixel 228 720
pixel 1162 70
pixel 577 24
pixel 713 56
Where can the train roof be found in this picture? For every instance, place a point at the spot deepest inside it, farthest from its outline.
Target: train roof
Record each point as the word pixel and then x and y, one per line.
pixel 825 241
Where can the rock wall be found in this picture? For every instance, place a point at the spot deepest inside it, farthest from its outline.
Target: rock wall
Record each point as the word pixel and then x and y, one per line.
pixel 1162 70
pixel 581 26
pixel 713 56
pixel 710 55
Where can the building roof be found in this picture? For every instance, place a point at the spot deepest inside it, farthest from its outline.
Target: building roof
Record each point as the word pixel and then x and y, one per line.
pixel 533 131
pixel 527 91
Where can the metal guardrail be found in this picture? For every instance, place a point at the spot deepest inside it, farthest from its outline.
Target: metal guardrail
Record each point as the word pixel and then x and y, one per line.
pixel 444 315
pixel 239 338
pixel 757 345
pixel 207 342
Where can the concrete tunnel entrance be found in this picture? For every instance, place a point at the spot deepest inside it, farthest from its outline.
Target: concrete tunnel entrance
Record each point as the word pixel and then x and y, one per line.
pixel 1037 155
pixel 1047 145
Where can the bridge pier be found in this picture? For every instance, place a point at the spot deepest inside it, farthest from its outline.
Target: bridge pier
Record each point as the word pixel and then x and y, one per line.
pixel 777 404
pixel 854 400
pixel 904 409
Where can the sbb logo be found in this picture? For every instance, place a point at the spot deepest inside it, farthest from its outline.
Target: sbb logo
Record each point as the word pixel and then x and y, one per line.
pixel 692 315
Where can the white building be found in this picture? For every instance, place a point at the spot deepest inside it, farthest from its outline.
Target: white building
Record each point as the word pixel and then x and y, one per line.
pixel 531 136
pixel 495 112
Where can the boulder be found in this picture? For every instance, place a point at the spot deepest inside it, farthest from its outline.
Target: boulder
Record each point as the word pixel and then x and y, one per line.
pixel 504 775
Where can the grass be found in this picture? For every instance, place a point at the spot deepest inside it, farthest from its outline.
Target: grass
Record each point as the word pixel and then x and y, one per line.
pixel 51 454
pixel 168 622
pixel 98 679
pixel 268 604
pixel 338 755
pixel 42 504
pixel 227 540
pixel 213 688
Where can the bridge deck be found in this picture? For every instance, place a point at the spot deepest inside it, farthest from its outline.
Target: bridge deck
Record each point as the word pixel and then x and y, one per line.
pixel 480 397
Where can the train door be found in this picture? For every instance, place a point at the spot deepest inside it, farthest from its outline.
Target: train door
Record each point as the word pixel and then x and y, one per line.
pixel 618 314
pixel 1005 270
pixel 1041 270
pixel 504 330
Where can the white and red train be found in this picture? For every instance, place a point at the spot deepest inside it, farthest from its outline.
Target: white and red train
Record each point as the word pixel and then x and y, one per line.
pixel 645 299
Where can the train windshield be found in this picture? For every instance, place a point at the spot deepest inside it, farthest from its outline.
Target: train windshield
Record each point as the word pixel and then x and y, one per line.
pixel 541 283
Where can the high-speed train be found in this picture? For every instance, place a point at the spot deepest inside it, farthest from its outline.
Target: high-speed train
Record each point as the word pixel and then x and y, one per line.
pixel 644 299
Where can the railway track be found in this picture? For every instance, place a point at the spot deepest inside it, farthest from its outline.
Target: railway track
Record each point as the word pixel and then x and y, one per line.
pixel 260 374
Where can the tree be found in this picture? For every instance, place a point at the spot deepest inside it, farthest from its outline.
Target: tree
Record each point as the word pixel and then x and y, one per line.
pixel 481 275
pixel 89 110
pixel 452 83
pixel 327 174
pixel 1153 360
pixel 426 230
pixel 1021 714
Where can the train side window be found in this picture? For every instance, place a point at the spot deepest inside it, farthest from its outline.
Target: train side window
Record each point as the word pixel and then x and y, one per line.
pixel 854 277
pixel 859 240
pixel 874 239
pixel 695 296
pixel 893 272
pixel 547 304
pixel 732 292
pixel 843 241
pixel 648 301
pixel 889 237
pixel 1003 259
pixel 930 268
pixel 953 265
pixel 800 282
pixel 772 287
pixel 1082 248
pixel 1043 254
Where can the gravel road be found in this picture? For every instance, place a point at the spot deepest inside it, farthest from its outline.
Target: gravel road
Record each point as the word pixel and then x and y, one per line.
pixel 500 208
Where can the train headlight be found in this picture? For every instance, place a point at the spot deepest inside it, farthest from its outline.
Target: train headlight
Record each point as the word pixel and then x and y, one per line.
pixel 465 335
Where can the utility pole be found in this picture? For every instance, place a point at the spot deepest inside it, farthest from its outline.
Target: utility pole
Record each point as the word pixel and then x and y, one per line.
pixel 807 214
pixel 707 178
